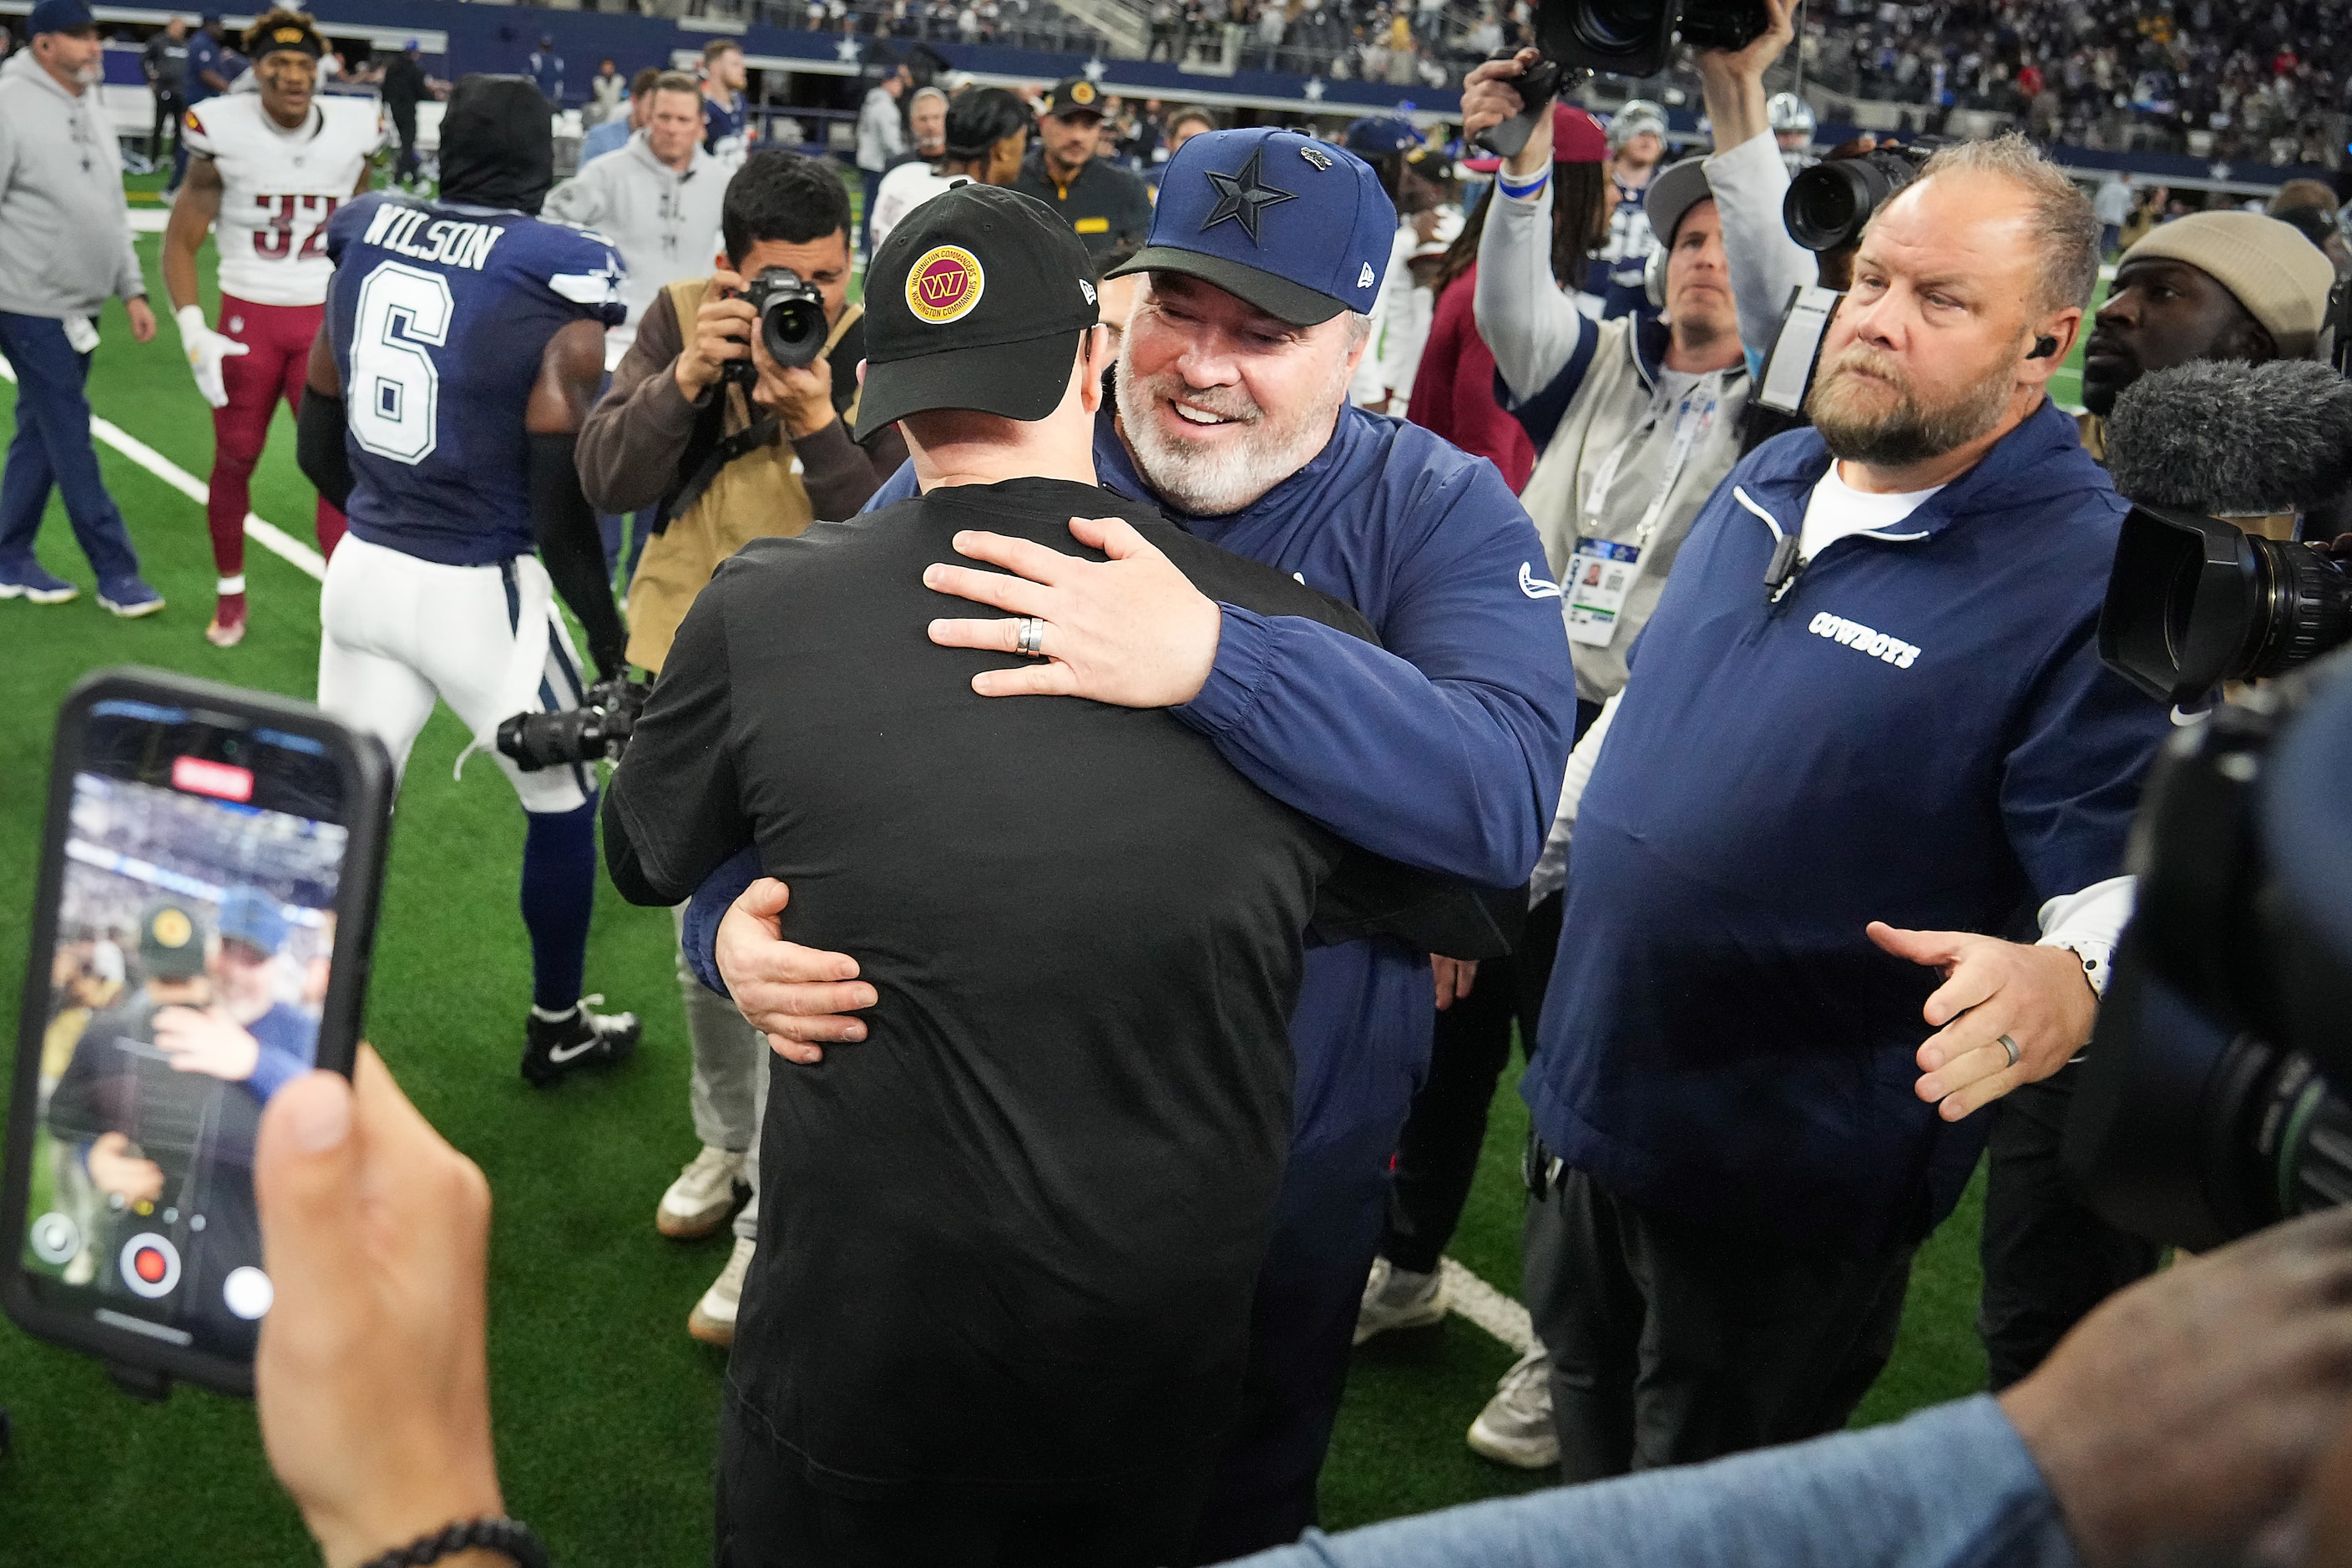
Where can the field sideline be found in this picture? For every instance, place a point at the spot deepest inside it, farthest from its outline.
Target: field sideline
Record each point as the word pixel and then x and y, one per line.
pixel 606 1411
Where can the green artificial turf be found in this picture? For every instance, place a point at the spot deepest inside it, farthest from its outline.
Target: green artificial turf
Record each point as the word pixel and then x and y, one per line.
pixel 605 1409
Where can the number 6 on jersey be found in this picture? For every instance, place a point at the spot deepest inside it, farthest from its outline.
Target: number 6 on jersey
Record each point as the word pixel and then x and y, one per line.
pixel 396 388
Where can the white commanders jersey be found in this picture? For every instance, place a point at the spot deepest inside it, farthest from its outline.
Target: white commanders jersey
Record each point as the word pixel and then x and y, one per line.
pixel 279 188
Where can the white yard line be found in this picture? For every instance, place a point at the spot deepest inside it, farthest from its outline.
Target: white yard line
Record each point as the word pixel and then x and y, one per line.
pixel 268 536
pixel 1472 1299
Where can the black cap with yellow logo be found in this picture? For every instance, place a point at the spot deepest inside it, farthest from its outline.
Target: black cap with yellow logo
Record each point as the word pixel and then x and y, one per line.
pixel 1074 95
pixel 976 301
pixel 172 939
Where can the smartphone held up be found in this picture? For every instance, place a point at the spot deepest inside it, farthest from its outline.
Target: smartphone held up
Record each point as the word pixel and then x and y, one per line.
pixel 209 875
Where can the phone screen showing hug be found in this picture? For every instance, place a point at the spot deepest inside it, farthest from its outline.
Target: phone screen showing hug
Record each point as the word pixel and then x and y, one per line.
pixel 195 953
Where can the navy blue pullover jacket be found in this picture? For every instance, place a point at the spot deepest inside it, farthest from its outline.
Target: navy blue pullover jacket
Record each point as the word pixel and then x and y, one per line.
pixel 1441 748
pixel 1920 731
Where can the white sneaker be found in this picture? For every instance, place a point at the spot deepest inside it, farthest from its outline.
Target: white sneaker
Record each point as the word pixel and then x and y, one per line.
pixel 1399 1299
pixel 703 1197
pixel 713 1319
pixel 1516 1427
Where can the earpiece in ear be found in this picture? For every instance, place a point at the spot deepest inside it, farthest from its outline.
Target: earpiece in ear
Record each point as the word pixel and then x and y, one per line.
pixel 2044 347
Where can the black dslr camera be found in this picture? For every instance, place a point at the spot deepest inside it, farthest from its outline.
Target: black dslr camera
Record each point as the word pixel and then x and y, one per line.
pixel 598 726
pixel 2210 1105
pixel 791 322
pixel 1829 205
pixel 1637 38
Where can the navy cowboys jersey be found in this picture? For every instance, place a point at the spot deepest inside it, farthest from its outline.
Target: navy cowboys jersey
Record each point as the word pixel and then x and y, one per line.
pixel 438 314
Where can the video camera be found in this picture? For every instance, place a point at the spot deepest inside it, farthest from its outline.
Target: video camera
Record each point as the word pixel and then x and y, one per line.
pixel 598 726
pixel 2209 1105
pixel 1637 38
pixel 793 326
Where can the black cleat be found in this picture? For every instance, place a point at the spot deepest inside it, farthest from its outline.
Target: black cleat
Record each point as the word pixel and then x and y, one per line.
pixel 581 1038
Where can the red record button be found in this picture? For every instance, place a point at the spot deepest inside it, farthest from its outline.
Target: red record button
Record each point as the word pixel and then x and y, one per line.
pixel 150 1264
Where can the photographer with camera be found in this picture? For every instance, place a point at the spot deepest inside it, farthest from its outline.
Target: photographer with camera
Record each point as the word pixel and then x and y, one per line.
pixel 734 435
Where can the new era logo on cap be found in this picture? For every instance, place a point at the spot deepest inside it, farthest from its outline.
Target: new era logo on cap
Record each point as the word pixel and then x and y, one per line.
pixel 1298 227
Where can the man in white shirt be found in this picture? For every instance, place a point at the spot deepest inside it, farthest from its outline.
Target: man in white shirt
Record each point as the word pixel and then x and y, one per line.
pixel 2114 205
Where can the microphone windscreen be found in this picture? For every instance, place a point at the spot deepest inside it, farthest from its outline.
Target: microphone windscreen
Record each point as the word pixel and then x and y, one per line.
pixel 2231 439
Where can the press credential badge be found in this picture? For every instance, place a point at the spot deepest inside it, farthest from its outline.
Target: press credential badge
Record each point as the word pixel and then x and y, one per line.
pixel 1601 576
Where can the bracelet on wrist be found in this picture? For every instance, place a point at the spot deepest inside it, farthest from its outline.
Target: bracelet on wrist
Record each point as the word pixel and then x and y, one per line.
pixel 1534 187
pixel 509 1537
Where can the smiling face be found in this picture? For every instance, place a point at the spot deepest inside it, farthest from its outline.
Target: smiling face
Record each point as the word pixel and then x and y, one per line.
pixel 1927 355
pixel 1219 401
pixel 2161 313
pixel 288 79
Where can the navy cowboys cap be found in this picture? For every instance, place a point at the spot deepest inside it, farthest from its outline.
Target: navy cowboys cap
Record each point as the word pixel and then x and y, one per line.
pixel 1298 227
pixel 976 301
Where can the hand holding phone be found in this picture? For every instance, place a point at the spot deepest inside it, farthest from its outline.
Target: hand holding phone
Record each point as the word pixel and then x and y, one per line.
pixel 207 893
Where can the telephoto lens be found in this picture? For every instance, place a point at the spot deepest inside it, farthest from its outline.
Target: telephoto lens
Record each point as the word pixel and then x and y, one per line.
pixel 1829 205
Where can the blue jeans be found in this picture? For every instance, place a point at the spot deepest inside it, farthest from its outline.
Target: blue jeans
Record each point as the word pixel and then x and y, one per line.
pixel 52 449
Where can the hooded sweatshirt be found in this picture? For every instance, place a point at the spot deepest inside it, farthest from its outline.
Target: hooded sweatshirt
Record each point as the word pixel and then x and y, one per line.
pixel 1918 730
pixel 61 206
pixel 664 224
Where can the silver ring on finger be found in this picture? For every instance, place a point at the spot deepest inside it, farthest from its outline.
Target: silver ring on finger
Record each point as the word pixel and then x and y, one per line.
pixel 1032 636
pixel 2016 1053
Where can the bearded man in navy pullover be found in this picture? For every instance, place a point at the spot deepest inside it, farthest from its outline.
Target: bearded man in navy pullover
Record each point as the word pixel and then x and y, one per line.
pixel 1441 748
pixel 1866 728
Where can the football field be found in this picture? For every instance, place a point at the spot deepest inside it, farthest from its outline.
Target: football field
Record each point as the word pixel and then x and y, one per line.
pixel 605 1410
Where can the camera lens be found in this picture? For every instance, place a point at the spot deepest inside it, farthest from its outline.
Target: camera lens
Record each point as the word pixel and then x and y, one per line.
pixel 794 330
pixel 2306 608
pixel 1828 204
pixel 1616 23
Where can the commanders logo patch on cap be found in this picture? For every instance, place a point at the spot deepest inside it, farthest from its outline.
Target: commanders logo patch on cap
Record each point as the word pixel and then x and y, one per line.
pixel 1082 92
pixel 945 284
pixel 172 928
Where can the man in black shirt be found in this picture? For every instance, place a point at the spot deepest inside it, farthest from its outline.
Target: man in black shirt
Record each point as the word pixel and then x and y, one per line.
pixel 165 62
pixel 1107 206
pixel 1001 1303
pixel 405 86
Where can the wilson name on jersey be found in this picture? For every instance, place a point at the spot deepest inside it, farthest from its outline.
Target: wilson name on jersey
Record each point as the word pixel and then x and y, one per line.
pixel 279 188
pixel 438 315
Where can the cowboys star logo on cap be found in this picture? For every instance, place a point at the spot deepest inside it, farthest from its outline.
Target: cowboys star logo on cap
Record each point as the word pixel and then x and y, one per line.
pixel 945 284
pixel 1243 195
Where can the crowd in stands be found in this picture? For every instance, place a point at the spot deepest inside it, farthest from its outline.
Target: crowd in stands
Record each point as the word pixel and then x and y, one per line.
pixel 2254 82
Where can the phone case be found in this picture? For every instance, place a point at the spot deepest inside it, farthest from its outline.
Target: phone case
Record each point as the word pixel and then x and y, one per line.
pixel 140 1364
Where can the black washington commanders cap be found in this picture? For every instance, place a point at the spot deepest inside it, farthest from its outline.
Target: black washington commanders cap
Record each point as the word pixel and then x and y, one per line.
pixel 976 301
pixel 1074 95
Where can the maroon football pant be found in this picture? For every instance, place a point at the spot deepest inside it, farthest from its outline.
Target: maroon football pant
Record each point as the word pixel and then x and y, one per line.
pixel 276 364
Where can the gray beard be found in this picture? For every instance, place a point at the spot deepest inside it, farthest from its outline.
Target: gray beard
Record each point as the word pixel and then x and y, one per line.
pixel 1218 483
pixel 1908 434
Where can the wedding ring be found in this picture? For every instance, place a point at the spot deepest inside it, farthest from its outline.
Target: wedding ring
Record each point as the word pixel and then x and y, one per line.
pixel 2015 1052
pixel 1033 634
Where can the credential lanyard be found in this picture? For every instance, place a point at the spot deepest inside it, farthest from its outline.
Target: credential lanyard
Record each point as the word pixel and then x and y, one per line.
pixel 1689 428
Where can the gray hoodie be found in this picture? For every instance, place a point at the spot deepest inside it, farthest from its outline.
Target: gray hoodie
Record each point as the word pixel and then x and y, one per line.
pixel 664 224
pixel 67 247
